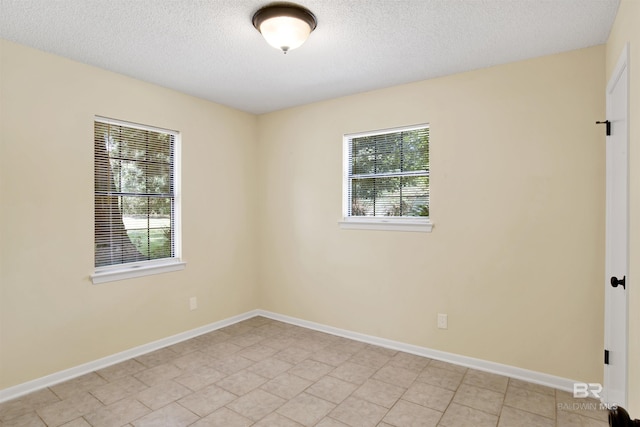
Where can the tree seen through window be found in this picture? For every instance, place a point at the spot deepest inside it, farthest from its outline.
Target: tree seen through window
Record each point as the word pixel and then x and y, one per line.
pixel 389 174
pixel 134 194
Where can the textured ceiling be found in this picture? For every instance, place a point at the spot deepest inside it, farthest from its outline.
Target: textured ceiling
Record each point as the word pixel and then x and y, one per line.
pixel 209 48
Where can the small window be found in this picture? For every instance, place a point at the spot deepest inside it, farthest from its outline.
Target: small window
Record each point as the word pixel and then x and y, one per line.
pixel 136 200
pixel 386 179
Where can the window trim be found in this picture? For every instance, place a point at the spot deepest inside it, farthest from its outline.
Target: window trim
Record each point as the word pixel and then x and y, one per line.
pixel 136 269
pixel 111 273
pixel 347 222
pixel 384 224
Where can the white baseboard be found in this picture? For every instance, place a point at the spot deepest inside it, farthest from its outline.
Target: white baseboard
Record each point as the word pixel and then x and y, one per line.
pixel 85 368
pixel 470 362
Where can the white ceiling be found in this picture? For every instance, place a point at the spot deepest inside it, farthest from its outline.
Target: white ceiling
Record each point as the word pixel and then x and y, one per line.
pixel 209 48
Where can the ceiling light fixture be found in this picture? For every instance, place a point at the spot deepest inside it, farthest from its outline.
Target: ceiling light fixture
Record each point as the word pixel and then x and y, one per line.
pixel 284 26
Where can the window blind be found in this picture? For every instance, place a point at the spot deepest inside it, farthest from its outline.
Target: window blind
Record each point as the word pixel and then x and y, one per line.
pixel 134 193
pixel 388 173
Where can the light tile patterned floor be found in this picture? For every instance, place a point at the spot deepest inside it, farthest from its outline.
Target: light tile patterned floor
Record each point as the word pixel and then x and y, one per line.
pixel 261 372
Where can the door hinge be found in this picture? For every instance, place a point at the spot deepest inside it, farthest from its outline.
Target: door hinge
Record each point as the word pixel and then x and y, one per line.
pixel 608 123
pixel 606 357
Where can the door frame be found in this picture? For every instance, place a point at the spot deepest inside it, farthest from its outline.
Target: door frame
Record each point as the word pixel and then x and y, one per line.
pixel 621 66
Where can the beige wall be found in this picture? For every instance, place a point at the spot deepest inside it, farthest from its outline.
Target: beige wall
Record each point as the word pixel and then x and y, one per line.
pixel 626 30
pixel 51 316
pixel 516 255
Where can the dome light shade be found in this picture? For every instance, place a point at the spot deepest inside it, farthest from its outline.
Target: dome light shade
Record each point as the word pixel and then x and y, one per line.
pixel 284 26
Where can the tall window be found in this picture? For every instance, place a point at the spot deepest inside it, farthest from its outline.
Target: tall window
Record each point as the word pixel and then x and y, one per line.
pixel 386 179
pixel 136 211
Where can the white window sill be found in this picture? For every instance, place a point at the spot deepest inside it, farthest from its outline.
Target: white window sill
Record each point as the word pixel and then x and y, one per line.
pixel 379 223
pixel 122 272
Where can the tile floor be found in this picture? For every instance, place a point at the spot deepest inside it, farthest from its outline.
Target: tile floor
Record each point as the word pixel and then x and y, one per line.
pixel 261 372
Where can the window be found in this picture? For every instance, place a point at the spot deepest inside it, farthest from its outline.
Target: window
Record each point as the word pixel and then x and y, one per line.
pixel 136 200
pixel 386 179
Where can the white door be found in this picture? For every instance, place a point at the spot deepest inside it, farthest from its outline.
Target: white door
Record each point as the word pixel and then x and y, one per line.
pixel 617 231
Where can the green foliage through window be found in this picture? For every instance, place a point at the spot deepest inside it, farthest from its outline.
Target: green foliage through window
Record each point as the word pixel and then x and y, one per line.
pixel 134 194
pixel 389 173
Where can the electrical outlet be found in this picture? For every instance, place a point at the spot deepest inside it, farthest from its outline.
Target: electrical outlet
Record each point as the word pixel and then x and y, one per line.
pixel 442 321
pixel 193 303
